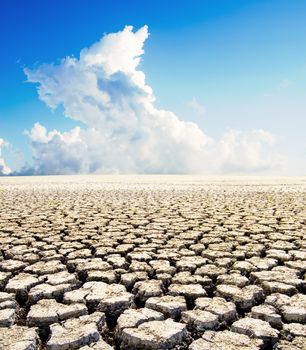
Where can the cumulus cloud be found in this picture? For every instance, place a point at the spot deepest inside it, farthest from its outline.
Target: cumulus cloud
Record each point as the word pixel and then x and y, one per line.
pixel 250 151
pixel 122 129
pixel 4 169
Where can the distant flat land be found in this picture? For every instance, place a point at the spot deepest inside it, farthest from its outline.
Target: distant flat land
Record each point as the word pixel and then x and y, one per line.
pixel 152 262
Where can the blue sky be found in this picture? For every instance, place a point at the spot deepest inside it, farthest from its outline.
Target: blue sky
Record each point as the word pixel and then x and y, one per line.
pixel 224 65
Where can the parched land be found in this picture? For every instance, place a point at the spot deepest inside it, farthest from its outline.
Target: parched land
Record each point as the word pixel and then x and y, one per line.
pixel 152 262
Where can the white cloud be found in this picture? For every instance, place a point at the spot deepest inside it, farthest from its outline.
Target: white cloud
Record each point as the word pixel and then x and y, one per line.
pixel 4 169
pixel 123 130
pixel 250 151
pixel 197 108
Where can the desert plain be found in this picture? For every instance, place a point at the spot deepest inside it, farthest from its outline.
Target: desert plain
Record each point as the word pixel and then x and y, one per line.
pixel 152 262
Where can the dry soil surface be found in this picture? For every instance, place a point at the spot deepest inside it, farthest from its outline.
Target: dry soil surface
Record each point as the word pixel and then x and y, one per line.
pixel 152 262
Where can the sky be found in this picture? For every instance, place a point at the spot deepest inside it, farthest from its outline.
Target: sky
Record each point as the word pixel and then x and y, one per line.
pixel 212 87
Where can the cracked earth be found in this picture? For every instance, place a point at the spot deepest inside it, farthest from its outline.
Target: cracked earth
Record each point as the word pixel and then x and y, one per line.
pixel 152 262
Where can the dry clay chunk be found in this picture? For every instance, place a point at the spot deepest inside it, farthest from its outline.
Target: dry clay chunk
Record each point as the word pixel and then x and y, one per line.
pixel 170 306
pixel 225 340
pixel 292 308
pixel 267 313
pixel 200 320
pixel 48 311
pixel 134 317
pixel 109 298
pixel 154 335
pixel 226 310
pixel 244 297
pixel 19 338
pixel 257 329
pixel 76 332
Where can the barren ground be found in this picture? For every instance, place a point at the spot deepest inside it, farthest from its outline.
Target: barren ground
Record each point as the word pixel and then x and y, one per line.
pixel 152 262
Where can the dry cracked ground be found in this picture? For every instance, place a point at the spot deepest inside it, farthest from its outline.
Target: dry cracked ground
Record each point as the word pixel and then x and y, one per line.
pixel 152 262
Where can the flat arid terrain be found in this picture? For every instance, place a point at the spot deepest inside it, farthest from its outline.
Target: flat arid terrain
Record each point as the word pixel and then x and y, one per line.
pixel 152 262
